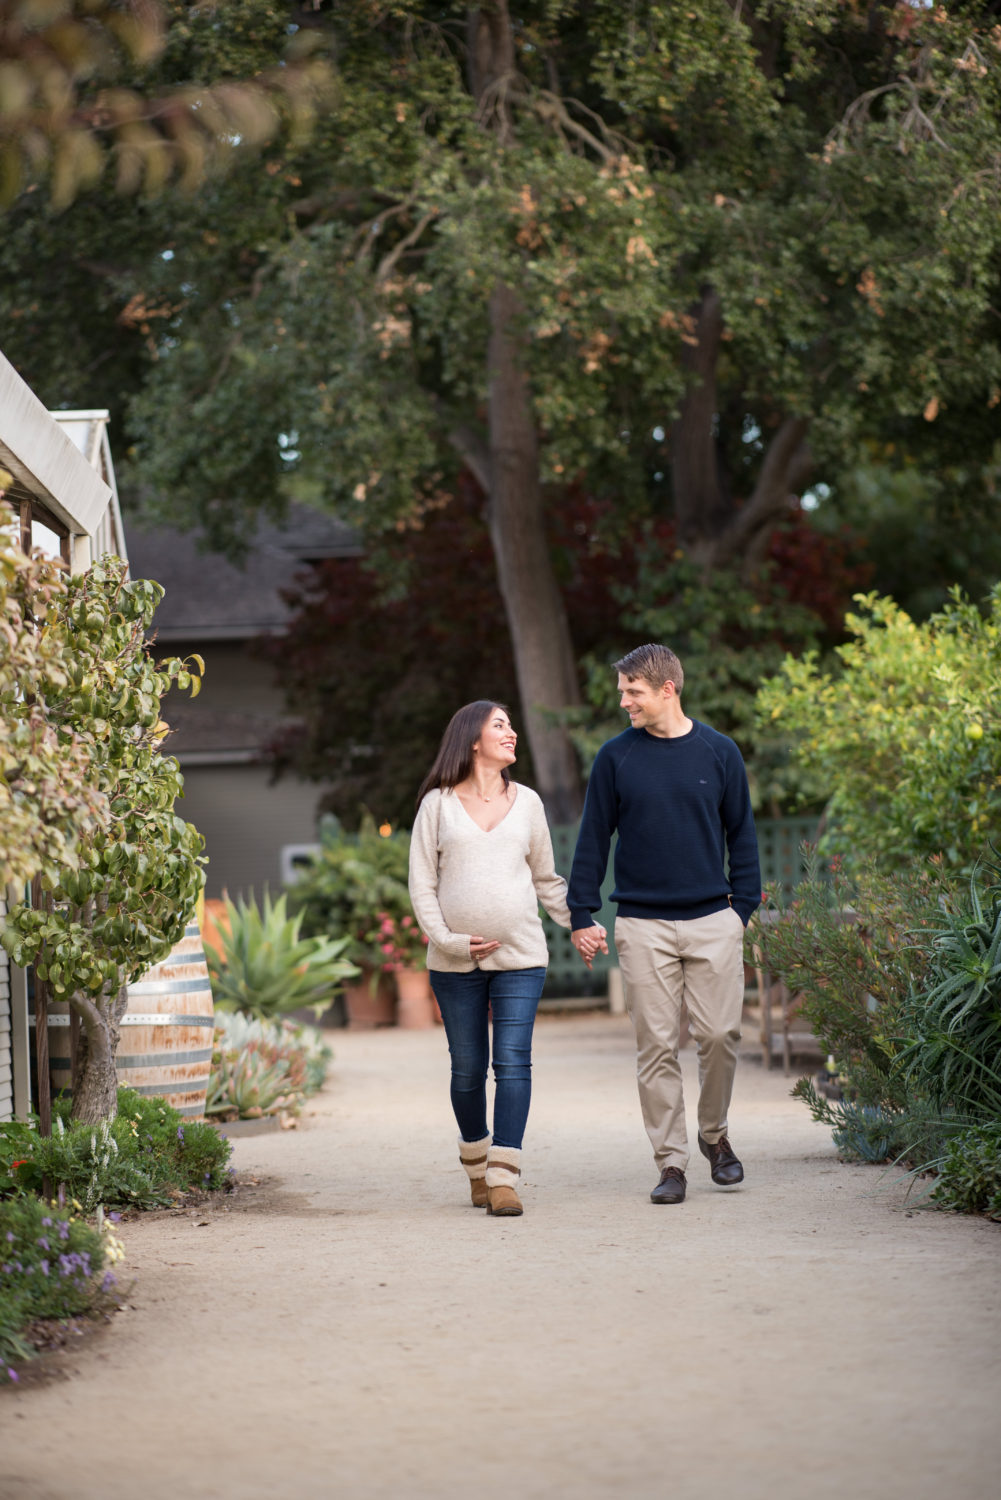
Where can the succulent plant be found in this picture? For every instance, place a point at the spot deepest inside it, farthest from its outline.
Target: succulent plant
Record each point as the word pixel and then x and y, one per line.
pixel 245 1085
pixel 260 1067
pixel 266 968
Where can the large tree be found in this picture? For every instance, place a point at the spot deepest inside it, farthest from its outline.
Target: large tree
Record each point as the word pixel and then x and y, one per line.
pixel 689 254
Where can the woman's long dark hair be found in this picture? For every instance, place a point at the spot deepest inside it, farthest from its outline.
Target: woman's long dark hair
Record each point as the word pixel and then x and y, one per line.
pixel 454 761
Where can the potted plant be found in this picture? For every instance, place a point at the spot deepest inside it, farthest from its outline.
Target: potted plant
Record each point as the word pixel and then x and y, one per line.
pixel 402 951
pixel 351 879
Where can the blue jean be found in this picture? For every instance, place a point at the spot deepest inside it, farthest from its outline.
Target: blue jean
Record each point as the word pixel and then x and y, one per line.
pixel 511 996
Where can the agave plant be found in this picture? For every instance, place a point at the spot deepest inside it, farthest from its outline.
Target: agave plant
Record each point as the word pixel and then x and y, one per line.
pixel 246 1085
pixel 266 968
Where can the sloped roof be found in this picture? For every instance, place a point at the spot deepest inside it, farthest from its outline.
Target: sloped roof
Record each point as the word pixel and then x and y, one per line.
pixel 210 598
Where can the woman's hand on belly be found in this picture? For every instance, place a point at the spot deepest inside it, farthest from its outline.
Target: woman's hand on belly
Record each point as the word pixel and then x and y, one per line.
pixel 481 947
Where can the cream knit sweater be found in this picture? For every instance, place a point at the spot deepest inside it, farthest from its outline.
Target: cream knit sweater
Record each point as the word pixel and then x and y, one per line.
pixel 465 882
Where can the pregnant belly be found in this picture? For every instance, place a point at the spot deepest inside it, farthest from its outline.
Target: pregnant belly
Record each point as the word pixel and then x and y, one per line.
pixel 495 916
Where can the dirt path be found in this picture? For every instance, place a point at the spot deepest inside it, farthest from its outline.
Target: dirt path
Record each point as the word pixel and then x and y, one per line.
pixel 352 1329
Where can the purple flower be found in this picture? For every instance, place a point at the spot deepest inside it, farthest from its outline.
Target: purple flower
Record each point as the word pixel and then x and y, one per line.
pixel 43 1242
pixel 46 1223
pixel 64 1230
pixel 45 1267
pixel 10 1237
pixel 114 1218
pixel 109 1281
pixel 180 1134
pixel 12 1375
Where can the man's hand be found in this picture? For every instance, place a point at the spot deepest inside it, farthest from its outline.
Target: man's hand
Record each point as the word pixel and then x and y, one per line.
pixel 590 940
pixel 480 947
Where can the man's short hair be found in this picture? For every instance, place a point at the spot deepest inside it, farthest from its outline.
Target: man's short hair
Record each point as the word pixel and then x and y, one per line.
pixel 655 664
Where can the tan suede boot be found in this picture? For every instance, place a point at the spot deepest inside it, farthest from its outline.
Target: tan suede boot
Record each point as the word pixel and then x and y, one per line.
pixel 473 1155
pixel 503 1171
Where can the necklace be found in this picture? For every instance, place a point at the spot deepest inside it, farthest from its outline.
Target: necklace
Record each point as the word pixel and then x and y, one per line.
pixel 484 798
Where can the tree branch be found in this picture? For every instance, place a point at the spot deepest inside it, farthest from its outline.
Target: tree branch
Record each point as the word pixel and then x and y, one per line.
pixel 786 464
pixel 473 451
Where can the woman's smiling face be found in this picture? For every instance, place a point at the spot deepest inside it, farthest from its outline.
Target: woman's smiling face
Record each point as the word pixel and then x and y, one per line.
pixel 498 742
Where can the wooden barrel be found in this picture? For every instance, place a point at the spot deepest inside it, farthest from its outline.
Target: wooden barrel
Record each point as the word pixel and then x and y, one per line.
pixel 166 1032
pixel 166 1045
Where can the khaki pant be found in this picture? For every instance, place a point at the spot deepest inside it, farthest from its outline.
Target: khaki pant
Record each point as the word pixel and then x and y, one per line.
pixel 664 963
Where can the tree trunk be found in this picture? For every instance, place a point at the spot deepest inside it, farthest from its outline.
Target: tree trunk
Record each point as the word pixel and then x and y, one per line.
pixel 540 636
pixel 95 1094
pixel 784 469
pixel 714 530
pixel 702 507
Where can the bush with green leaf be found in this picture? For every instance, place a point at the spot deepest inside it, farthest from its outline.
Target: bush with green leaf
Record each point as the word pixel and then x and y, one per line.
pixel 119 896
pixel 949 1049
pixel 906 737
pixel 845 947
pixel 144 1157
pixel 352 882
pixel 266 968
pixel 52 1265
pixel 970 1172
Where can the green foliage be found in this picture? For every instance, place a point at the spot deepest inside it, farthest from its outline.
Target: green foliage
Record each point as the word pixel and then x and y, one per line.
pixel 861 1132
pixel 263 1067
pixel 730 634
pixel 66 112
pixel 52 1265
pixel 143 1158
pixel 821 167
pixel 351 882
pixel 846 947
pixel 49 802
pixel 970 1172
pixel 266 968
pixel 122 896
pixel 900 978
pixel 907 736
pixel 951 1022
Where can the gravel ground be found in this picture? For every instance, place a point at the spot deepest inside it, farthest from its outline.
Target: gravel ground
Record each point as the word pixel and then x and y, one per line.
pixel 348 1327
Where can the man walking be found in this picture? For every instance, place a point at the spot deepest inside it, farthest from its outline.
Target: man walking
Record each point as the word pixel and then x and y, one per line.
pixel 676 792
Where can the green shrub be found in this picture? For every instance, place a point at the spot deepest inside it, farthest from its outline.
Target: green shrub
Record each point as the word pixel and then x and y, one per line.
pixel 143 1158
pixel 846 946
pixel 970 1172
pixel 52 1265
pixel 906 738
pixel 950 1023
pixel 352 883
pixel 266 968
pixel 861 1132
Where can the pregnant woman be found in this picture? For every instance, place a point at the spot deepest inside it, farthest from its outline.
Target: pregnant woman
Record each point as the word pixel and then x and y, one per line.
pixel 481 860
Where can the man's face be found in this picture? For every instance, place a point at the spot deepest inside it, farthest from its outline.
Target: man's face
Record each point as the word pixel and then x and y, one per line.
pixel 641 700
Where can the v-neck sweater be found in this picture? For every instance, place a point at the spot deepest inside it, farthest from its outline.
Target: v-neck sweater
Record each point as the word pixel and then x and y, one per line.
pixel 466 881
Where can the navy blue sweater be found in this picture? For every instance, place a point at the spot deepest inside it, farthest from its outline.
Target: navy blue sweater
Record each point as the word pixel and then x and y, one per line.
pixel 679 806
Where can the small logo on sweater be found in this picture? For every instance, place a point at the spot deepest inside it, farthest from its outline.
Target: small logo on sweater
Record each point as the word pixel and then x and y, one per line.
pixel 703 781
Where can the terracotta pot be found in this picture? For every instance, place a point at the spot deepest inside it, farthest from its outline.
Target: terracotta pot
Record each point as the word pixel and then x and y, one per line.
pixel 415 1007
pixel 370 1002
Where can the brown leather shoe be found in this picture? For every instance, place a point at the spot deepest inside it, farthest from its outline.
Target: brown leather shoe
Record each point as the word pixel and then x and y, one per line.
pixel 478 1192
pixel 504 1202
pixel 671 1187
pixel 724 1168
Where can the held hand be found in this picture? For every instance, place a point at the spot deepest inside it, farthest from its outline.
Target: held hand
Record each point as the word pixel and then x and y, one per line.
pixel 590 940
pixel 480 947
